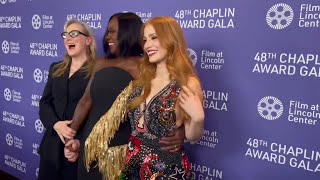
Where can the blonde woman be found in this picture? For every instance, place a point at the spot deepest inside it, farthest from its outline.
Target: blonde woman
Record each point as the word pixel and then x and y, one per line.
pixel 67 81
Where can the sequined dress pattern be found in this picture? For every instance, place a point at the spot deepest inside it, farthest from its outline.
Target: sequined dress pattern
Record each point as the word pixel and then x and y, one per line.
pixel 144 159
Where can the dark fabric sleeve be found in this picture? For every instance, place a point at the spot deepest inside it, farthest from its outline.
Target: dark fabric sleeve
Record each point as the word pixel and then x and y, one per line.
pixel 82 110
pixel 47 112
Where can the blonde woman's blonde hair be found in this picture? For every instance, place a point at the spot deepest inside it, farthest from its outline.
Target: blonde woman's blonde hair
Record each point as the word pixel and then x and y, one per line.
pixel 61 67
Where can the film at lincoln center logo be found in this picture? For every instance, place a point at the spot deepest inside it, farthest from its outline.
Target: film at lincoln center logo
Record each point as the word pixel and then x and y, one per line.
pixel 193 56
pixel 9 139
pixel 3 1
pixel 270 108
pixel 279 16
pixel 5 47
pixel 36 21
pixel 7 94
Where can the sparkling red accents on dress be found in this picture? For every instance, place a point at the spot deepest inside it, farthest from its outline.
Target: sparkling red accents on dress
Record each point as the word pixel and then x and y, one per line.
pixel 145 159
pixel 167 106
pixel 133 148
pixel 146 165
pixel 186 163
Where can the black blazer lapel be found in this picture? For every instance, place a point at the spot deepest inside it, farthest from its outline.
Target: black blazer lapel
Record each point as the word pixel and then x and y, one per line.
pixel 61 87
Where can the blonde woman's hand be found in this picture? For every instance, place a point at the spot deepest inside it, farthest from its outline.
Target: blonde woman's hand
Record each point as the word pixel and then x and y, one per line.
pixel 63 130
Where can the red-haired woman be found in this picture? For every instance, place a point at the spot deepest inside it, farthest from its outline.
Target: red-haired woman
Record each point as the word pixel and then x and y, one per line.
pixel 166 96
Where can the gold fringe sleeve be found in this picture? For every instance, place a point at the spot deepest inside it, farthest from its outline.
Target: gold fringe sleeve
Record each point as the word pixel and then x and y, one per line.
pixel 110 160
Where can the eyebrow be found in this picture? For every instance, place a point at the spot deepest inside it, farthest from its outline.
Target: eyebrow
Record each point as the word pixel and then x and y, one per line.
pixel 74 30
pixel 150 35
pixel 111 27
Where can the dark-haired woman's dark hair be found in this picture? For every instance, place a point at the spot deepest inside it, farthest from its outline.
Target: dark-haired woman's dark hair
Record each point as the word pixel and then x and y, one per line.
pixel 128 35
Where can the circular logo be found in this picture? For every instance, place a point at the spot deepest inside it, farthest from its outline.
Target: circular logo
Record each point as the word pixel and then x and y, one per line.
pixel 38 126
pixel 193 56
pixel 7 94
pixel 5 47
pixel 270 108
pixel 3 1
pixel 279 16
pixel 36 21
pixel 37 75
pixel 9 139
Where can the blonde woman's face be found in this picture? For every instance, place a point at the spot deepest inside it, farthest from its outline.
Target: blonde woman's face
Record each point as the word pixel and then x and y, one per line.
pixel 76 41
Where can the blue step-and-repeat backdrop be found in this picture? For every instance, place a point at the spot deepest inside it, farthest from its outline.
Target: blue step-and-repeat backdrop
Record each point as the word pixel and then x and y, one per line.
pixel 258 62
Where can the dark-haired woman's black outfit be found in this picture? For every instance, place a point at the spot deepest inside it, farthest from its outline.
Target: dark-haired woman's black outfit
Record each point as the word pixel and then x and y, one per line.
pixel 106 85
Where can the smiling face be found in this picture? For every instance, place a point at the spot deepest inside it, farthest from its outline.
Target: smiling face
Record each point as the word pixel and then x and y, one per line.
pixel 76 46
pixel 112 36
pixel 152 46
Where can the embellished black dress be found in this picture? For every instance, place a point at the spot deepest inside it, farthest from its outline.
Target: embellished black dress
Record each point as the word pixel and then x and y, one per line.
pixel 144 159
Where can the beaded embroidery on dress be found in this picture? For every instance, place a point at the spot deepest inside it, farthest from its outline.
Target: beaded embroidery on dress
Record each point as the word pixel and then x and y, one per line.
pixel 144 159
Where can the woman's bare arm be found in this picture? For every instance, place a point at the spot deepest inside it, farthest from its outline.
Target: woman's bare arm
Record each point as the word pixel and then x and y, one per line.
pixel 190 100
